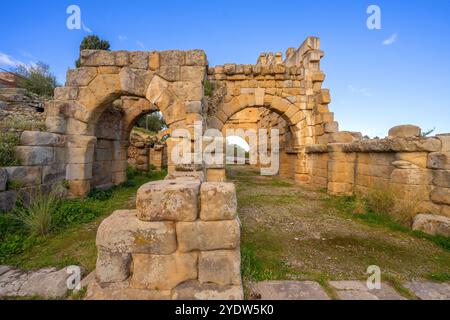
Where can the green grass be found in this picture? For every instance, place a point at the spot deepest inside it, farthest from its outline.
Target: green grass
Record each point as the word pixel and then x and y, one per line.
pixel 346 205
pixel 8 142
pixel 72 240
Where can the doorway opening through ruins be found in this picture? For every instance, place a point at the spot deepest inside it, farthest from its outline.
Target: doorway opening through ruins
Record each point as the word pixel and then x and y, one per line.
pixel 127 138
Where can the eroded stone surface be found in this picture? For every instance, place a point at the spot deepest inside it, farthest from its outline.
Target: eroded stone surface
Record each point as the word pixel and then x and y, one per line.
pixel 193 290
pixel 427 290
pixel 357 290
pixel 287 290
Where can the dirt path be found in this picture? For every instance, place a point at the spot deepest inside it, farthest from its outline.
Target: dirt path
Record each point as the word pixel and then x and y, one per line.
pixel 291 233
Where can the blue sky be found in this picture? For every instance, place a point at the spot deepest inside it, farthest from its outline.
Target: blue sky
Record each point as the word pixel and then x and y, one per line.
pixel 373 86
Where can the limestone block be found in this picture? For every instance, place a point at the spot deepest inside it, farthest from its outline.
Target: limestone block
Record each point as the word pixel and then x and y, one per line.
pixel 105 85
pixel 344 137
pixel 215 175
pixel 163 272
pixel 34 156
pixel 122 291
pixel 438 160
pixel 66 93
pixel 221 267
pixel 80 141
pixel 194 107
pixel 331 127
pixel 79 171
pixel 135 81
pixel 97 58
pixel 445 141
pixel 418 158
pixel 76 127
pixel 412 176
pixel 193 290
pixel 123 232
pixel 205 236
pixel 112 266
pixel 53 173
pixel 37 138
pixel 432 224
pixel 445 210
pixel 8 200
pixel 80 155
pixel 196 58
pixel 440 195
pixel 192 73
pixel 339 188
pixel 405 131
pixel 108 70
pixel 122 58
pixel 218 201
pixel 168 200
pixel 153 62
pixel 119 177
pixel 441 178
pixel 55 124
pixel 172 58
pixel 80 77
pixel 3 179
pixel 139 59
pixel 79 188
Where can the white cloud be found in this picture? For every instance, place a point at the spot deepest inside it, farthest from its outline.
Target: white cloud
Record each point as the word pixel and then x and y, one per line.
pixel 392 39
pixel 363 91
pixel 140 44
pixel 8 61
pixel 86 28
pixel 122 38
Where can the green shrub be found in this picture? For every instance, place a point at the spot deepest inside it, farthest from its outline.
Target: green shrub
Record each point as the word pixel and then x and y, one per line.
pixel 37 79
pixel 208 88
pixel 98 194
pixel 92 42
pixel 37 217
pixel 8 142
pixel 132 172
pixel 71 212
pixel 380 199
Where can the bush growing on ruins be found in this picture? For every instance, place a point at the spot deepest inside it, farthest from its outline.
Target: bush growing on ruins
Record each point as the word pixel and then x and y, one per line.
pixel 37 79
pixel 8 142
pixel 37 216
pixel 380 199
pixel 92 42
pixel 208 88
pixel 153 122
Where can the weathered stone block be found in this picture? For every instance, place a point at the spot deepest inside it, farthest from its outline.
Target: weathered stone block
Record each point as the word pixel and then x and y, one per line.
pixel 211 235
pixel 440 195
pixel 441 178
pixel 417 158
pixel 405 131
pixel 112 266
pixel 163 272
pixel 139 59
pixel 80 77
pixel 135 81
pixel 34 156
pixel 124 232
pixel 153 62
pixel 412 176
pixel 218 201
pixel 168 200
pixel 196 58
pixel 66 93
pixel 56 124
pixel 37 138
pixel 79 171
pixel 79 155
pixel 172 58
pixel 97 58
pixel 194 107
pixel 169 73
pixel 220 267
pixel 432 224
pixel 193 290
pixel 192 73
pixel 439 160
pixel 3 179
pixel 53 173
pixel 79 188
pixel 122 291
pixel 8 200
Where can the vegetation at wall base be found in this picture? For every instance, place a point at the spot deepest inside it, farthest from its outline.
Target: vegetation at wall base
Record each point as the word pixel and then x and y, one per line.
pixel 71 238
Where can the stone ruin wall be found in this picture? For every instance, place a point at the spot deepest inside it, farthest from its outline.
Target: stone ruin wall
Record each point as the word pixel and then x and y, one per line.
pixel 90 119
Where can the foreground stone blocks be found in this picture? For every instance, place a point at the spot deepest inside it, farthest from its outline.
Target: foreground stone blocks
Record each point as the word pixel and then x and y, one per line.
pixel 432 224
pixel 168 200
pixel 205 236
pixel 163 250
pixel 219 201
